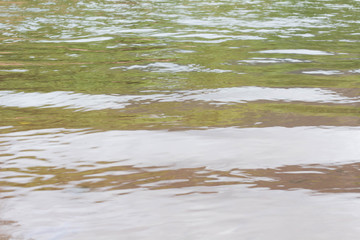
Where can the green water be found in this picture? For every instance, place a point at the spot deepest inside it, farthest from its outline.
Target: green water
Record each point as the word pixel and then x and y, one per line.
pixel 92 47
pixel 235 99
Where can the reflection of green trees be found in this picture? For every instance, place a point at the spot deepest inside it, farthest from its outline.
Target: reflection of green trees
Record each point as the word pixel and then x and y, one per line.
pixel 86 67
pixel 173 115
pixel 90 70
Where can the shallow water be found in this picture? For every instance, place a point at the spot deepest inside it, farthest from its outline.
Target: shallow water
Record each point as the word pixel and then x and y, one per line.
pixel 179 119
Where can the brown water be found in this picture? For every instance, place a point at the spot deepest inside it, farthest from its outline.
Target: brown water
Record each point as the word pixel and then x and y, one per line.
pixel 179 120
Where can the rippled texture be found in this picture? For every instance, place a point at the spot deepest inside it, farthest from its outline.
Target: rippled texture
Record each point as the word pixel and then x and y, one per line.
pixel 159 119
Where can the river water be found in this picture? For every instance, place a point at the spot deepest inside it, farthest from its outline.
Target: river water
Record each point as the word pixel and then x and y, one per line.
pixel 159 119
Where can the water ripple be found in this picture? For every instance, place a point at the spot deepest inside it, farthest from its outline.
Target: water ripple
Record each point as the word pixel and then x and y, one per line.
pixel 87 102
pixel 235 147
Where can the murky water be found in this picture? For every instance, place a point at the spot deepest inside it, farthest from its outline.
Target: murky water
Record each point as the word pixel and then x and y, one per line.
pixel 176 119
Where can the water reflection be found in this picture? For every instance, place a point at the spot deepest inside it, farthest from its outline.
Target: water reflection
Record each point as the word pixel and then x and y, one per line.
pixel 88 102
pixel 57 159
pixel 179 119
pixel 332 178
pixel 318 178
pixel 79 152
pixel 6 227
pixel 297 51
pixel 258 60
pixel 211 211
pixel 178 182
pixel 171 67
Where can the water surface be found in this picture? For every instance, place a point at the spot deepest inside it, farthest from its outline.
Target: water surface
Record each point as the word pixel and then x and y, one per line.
pixel 179 119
